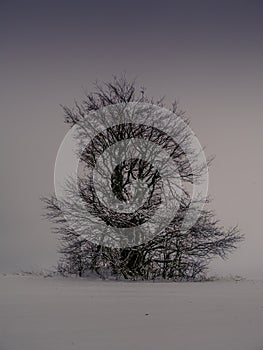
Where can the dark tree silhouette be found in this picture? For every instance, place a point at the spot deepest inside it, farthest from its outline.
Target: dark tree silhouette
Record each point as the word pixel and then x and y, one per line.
pixel 173 253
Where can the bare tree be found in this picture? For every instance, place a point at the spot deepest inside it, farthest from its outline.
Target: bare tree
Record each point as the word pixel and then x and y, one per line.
pixel 173 253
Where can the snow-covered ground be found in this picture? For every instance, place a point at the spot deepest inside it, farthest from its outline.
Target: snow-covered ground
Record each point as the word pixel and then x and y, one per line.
pixel 39 313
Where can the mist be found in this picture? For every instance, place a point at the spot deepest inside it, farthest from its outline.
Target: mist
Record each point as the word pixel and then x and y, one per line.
pixel 208 56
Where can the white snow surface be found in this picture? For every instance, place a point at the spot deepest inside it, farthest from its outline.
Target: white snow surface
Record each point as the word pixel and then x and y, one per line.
pixel 56 313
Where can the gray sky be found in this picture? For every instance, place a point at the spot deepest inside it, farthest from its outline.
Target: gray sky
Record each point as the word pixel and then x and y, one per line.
pixel 207 54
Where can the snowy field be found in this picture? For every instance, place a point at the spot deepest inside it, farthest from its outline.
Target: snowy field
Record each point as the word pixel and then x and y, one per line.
pixel 39 313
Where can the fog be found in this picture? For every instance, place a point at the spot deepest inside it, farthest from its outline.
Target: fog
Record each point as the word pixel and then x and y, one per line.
pixel 209 56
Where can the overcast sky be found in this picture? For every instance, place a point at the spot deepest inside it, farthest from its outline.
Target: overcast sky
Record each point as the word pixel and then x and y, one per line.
pixel 207 54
